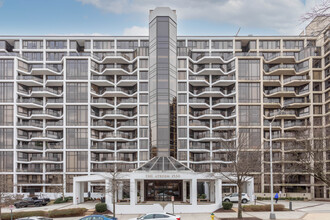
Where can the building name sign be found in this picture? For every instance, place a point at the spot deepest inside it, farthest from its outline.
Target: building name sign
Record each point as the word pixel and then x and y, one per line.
pixel 163 176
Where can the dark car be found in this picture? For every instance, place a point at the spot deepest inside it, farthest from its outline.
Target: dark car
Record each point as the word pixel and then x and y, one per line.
pixel 31 201
pixel 98 217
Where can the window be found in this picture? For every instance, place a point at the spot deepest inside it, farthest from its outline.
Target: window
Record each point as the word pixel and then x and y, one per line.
pixel 6 138
pixel 76 161
pixel 97 44
pixel 77 138
pixel 77 69
pixel 182 144
pixel 77 92
pixel 51 56
pixel 182 132
pixel 143 98
pixel 249 92
pixel 222 44
pixel 144 87
pixel 6 69
pixel 293 44
pixel 182 87
pixel 182 63
pixel 143 121
pixel 58 44
pixel 77 115
pixel 143 109
pixel 249 115
pixel 182 75
pixel 6 92
pixel 182 109
pixel 182 121
pixel 143 132
pixel 33 56
pixel 6 161
pixel 182 98
pixel 6 115
pixel 143 63
pixel 198 44
pixel 252 137
pixel 248 69
pixel 264 44
pixel 29 44
pixel 144 75
pixel 127 44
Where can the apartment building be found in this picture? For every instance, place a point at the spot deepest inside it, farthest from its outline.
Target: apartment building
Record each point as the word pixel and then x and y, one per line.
pixel 79 105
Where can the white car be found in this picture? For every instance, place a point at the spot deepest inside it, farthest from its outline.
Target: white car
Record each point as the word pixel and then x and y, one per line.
pixel 158 216
pixel 234 198
pixel 35 218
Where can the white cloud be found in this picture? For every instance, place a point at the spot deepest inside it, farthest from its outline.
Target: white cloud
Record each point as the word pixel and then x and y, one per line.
pixel 136 31
pixel 282 16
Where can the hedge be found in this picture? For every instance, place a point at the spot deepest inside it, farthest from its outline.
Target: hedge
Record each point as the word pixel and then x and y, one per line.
pixel 227 205
pixel 52 214
pixel 58 213
pixel 263 208
pixel 6 216
pixel 101 207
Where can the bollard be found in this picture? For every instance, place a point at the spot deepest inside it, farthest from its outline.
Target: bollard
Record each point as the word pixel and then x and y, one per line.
pixel 212 216
pixel 290 206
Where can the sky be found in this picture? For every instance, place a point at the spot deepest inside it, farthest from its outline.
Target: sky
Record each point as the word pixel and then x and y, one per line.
pixel 130 17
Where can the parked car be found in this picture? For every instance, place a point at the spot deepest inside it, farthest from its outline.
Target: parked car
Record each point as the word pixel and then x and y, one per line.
pixel 98 217
pixel 35 218
pixel 234 198
pixel 158 216
pixel 35 201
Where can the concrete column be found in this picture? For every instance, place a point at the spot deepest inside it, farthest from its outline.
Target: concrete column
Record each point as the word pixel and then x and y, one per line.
pixel 206 190
pixel 218 191
pixel 108 196
pixel 81 189
pixel 193 192
pixel 132 188
pixel 76 193
pixel 142 190
pixel 120 190
pixel 212 191
pixel 184 191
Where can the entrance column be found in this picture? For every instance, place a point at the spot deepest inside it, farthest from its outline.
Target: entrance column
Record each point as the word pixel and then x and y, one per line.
pixel 212 191
pixel 206 190
pixel 193 192
pixel 184 191
pixel 132 187
pixel 108 195
pixel 218 191
pixel 120 190
pixel 142 190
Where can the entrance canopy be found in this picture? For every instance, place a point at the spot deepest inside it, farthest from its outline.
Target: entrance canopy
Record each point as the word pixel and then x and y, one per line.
pixel 163 164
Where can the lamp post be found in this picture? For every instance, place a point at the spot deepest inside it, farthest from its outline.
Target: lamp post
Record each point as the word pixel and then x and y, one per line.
pixel 272 213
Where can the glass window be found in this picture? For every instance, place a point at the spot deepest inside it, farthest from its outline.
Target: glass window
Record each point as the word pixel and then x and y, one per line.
pixel 143 132
pixel 56 44
pixel 6 92
pixel 98 44
pixel 182 132
pixel 264 44
pixel 6 161
pixel 77 138
pixel 182 75
pixel 143 75
pixel 6 138
pixel 249 115
pixel 144 87
pixel 182 109
pixel 248 69
pixel 182 98
pixel 76 161
pixel 249 92
pixel 6 69
pixel 143 109
pixel 251 138
pixel 143 63
pixel 143 121
pixel 77 92
pixel 6 115
pixel 77 69
pixel 182 121
pixel 32 44
pixel 182 86
pixel 77 115
pixel 228 44
pixel 127 44
pixel 143 98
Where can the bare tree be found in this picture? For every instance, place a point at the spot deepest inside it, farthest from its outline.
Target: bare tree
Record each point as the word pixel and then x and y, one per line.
pixel 245 160
pixel 320 10
pixel 318 18
pixel 312 144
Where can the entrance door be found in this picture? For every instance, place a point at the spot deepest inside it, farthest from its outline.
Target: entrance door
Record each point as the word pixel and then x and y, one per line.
pixel 163 190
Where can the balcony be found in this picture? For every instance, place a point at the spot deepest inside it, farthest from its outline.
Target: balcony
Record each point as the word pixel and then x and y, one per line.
pixel 112 114
pixel 296 80
pixel 224 124
pixel 30 80
pixel 113 136
pixel 126 80
pixel 40 137
pixel 208 114
pixel 229 101
pixel 30 123
pixel 41 69
pixel 291 69
pixel 127 146
pixel 103 146
pixel 40 92
pixel 199 146
pixel 214 92
pixel 103 102
pixel 223 80
pixel 206 69
pixel 286 92
pixel 41 114
pixel 111 92
pixel 272 80
pixel 29 147
pixel 199 80
pixel 115 69
pixel 30 102
pixel 103 123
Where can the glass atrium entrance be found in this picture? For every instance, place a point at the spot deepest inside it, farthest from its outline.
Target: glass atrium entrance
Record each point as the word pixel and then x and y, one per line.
pixel 163 190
